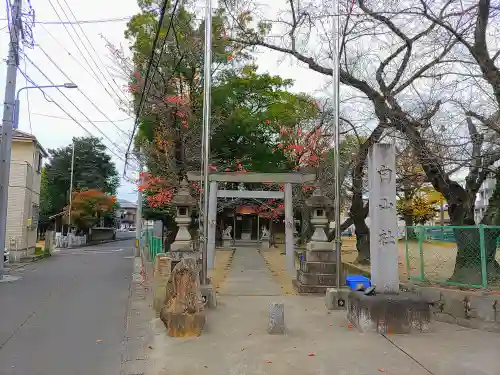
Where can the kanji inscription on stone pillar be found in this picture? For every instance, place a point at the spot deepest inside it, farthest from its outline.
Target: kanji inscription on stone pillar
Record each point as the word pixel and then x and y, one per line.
pixel 383 218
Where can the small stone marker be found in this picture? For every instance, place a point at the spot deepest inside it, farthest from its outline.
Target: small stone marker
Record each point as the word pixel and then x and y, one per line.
pixel 276 324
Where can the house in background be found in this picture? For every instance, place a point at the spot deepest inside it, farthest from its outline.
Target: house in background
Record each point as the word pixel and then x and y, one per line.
pixel 24 194
pixel 126 214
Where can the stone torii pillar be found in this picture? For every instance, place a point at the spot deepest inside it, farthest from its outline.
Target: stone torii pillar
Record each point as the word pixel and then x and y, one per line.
pixel 212 221
pixel 289 225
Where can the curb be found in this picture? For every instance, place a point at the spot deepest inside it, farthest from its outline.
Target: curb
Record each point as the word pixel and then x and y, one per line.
pixel 98 243
pixel 36 259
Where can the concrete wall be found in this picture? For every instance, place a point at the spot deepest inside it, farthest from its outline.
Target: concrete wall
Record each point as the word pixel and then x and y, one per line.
pixel 101 234
pixel 24 198
pixel 473 308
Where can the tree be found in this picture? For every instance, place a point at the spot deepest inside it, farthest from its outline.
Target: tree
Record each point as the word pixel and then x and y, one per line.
pixel 93 169
pixel 420 208
pixel 45 199
pixel 248 109
pixel 419 82
pixel 89 207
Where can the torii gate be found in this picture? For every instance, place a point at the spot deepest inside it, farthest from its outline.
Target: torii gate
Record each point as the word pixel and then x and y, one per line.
pixel 287 179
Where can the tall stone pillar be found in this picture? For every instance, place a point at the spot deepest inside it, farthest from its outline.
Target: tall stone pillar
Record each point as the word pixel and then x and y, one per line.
pixel 385 310
pixel 383 218
pixel 289 224
pixel 212 221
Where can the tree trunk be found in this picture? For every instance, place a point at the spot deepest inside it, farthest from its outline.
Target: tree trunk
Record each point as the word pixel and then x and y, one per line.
pixel 362 236
pixel 358 212
pixel 410 231
pixel 306 230
pixel 468 262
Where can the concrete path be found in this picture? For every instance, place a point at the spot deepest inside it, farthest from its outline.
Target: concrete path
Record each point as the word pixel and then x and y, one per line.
pixel 66 315
pixel 318 342
pixel 249 276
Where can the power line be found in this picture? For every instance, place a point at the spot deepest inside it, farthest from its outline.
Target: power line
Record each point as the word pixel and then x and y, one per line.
pixel 90 43
pixel 70 119
pixel 79 89
pixel 28 101
pixel 145 90
pixel 81 53
pixel 67 113
pixel 94 76
pixel 83 22
pixel 74 105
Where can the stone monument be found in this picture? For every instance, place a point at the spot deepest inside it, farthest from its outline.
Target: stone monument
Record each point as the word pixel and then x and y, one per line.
pixel 227 239
pixel 265 238
pixel 317 271
pixel 385 310
pixel 183 313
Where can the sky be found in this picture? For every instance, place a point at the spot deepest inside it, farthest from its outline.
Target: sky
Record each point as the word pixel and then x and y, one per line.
pixel 54 128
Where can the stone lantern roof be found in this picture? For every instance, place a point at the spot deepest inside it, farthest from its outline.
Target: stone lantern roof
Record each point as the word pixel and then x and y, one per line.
pixel 317 199
pixel 183 196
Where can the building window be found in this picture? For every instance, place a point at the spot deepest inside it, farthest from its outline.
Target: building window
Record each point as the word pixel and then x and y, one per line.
pixel 39 159
pixel 34 216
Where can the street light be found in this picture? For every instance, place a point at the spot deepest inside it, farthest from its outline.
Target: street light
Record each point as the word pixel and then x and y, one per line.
pixel 69 85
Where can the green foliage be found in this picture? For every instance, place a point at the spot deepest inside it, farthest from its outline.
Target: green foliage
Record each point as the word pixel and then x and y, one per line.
pixel 89 206
pixel 93 169
pixel 251 109
pixel 45 199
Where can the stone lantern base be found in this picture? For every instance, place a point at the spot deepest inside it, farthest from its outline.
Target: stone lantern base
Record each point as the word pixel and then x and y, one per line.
pixel 317 272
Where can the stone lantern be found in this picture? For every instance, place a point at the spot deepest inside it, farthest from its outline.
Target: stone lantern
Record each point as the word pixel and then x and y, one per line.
pixel 184 203
pixel 320 205
pixel 317 270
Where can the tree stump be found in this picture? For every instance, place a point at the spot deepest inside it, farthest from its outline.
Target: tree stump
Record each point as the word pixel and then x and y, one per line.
pixel 276 324
pixel 183 313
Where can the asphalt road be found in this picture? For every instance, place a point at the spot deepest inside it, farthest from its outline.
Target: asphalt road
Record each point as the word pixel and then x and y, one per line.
pixel 67 314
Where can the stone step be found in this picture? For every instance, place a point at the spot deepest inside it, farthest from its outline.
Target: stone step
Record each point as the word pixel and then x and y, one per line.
pixel 316 279
pixel 318 267
pixel 320 256
pixel 310 289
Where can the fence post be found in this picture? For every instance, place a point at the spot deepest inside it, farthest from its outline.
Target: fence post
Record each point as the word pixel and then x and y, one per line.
pixel 421 250
pixel 482 249
pixel 407 255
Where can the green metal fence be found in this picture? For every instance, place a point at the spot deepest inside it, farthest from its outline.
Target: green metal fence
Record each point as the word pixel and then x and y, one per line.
pixel 469 257
pixel 154 244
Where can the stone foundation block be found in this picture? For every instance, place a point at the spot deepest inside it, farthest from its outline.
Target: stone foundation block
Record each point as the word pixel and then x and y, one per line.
pixel 318 267
pixel 320 256
pixel 336 299
pixel 316 279
pixel 309 289
pixel 386 313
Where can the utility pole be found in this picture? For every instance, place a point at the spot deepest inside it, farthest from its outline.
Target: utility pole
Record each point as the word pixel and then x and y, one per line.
pixel 7 121
pixel 207 94
pixel 336 122
pixel 138 214
pixel 71 185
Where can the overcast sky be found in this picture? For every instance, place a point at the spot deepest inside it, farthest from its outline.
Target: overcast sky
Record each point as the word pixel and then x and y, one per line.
pixel 56 41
